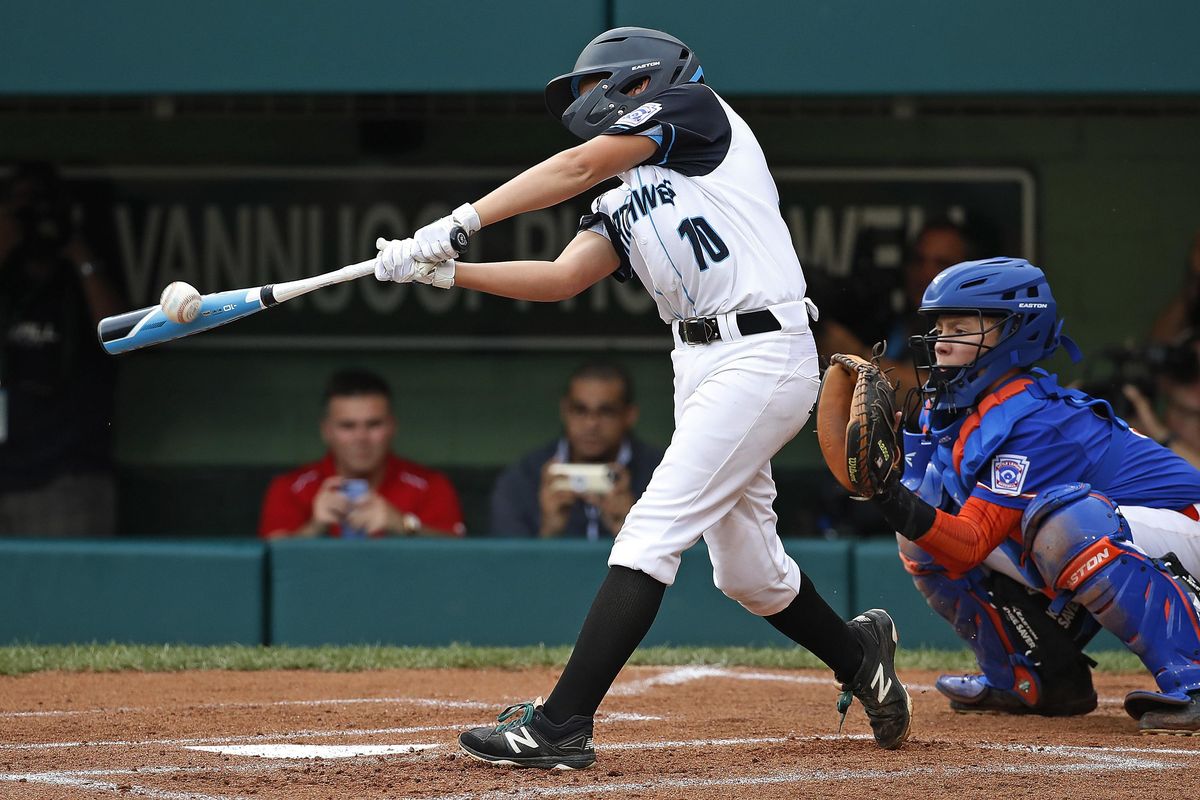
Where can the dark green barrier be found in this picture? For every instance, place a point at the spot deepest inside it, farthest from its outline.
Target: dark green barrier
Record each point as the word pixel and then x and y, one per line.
pixel 153 592
pixel 883 583
pixel 500 593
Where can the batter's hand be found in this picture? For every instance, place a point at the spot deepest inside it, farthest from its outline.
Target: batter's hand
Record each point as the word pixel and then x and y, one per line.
pixel 434 243
pixel 396 261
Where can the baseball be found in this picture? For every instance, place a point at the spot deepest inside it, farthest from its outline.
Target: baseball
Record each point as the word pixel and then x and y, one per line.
pixel 180 302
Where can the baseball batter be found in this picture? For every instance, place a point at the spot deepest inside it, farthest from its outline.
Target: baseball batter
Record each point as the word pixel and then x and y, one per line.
pixel 696 219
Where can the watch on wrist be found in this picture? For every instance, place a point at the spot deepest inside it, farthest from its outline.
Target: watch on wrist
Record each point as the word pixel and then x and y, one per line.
pixel 87 269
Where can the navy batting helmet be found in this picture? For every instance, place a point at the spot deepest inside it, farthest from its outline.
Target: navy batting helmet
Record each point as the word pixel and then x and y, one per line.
pixel 620 58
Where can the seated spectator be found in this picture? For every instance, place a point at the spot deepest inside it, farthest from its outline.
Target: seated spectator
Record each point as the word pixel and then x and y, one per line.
pixel 56 383
pixel 360 488
pixel 598 414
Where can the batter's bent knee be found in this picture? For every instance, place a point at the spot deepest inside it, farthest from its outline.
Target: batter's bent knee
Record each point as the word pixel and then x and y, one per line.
pixel 757 595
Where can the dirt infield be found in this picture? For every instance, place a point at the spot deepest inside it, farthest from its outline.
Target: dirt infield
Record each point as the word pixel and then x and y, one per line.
pixel 694 732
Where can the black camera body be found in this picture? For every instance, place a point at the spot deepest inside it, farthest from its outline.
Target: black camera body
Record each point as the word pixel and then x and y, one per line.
pixel 1139 366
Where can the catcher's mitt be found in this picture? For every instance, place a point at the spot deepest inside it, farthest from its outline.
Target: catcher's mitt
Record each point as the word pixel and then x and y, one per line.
pixel 856 425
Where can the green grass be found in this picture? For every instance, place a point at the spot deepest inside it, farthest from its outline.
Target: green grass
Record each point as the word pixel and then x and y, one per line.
pixel 24 659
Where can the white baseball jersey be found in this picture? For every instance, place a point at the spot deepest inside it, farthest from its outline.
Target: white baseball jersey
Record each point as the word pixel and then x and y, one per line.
pixel 699 221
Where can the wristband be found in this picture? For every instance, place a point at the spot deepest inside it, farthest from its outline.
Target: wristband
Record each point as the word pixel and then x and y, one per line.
pixel 909 515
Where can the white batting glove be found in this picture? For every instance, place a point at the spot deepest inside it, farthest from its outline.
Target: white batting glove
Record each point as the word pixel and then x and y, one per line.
pixel 439 275
pixel 433 241
pixel 395 261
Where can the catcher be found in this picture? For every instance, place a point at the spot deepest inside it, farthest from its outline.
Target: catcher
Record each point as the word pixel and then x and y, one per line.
pixel 1029 514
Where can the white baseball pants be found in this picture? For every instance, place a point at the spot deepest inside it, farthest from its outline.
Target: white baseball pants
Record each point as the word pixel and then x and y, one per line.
pixel 737 402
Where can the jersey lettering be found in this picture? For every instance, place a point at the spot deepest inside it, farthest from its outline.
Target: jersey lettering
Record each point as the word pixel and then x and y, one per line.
pixel 640 203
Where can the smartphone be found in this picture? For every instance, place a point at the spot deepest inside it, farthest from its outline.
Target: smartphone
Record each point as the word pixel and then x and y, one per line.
pixel 583 478
pixel 353 488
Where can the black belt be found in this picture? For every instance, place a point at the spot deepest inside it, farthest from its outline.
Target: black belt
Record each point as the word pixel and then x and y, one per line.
pixel 702 330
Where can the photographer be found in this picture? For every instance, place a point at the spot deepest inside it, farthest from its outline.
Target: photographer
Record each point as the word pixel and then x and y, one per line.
pixel 1179 429
pixel 551 492
pixel 56 384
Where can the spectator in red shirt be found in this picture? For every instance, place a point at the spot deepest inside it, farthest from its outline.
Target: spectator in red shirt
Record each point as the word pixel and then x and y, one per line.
pixel 360 488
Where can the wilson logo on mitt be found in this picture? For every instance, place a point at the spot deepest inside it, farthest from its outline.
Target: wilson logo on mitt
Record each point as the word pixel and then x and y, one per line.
pixel 856 425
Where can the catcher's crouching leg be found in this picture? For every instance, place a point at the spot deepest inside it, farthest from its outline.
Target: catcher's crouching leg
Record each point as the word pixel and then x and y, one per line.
pixel 1082 545
pixel 1031 662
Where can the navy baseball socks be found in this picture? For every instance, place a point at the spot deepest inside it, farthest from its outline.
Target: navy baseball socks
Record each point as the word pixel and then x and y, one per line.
pixel 862 655
pixel 558 735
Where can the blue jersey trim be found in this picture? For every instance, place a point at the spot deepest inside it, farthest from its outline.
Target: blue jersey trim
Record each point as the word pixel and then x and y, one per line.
pixel 667 154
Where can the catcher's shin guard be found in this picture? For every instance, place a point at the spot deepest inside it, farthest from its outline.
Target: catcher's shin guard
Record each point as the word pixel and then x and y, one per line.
pixel 1082 545
pixel 1031 661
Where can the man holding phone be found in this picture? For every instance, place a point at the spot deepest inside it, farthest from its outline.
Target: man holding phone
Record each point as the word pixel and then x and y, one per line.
pixel 360 488
pixel 583 484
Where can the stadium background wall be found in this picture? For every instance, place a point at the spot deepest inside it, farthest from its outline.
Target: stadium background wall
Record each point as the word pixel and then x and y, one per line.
pixel 1111 148
pixel 396 593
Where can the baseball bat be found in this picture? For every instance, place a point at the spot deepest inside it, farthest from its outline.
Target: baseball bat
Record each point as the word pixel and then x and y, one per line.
pixel 149 326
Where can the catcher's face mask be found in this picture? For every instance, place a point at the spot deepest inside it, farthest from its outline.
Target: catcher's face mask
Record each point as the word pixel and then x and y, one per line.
pixel 955 348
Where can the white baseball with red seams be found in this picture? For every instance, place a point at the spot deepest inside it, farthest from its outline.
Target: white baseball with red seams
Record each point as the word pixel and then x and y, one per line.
pixel 180 302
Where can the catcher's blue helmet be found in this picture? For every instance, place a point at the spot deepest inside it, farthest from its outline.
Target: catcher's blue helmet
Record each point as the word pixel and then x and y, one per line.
pixel 621 58
pixel 1017 296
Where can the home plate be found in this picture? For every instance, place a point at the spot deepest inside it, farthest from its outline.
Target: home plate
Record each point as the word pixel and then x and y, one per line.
pixel 313 750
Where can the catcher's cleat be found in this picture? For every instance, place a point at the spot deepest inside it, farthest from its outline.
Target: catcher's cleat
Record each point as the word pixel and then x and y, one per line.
pixel 972 694
pixel 1158 714
pixel 525 738
pixel 876 685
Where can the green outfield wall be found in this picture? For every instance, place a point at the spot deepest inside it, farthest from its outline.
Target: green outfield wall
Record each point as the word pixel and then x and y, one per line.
pixel 399 593
pixel 761 46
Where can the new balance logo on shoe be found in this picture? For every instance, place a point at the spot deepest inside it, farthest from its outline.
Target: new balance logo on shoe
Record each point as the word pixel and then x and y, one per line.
pixel 526 738
pixel 880 684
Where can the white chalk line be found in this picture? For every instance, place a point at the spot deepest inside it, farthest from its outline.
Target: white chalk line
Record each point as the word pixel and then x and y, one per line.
pixel 672 677
pixel 1092 759
pixel 431 702
pixel 419 701
pixel 73 781
pixel 682 675
pixel 300 734
pixel 303 734
pixel 307 751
